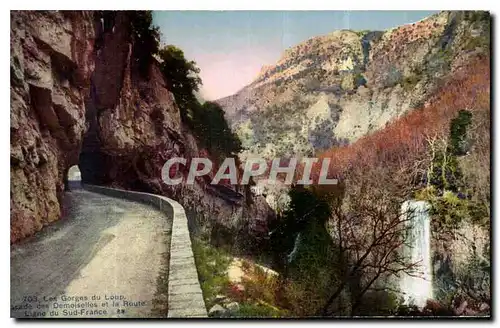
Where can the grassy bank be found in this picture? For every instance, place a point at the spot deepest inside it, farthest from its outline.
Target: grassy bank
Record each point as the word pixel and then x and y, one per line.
pixel 255 294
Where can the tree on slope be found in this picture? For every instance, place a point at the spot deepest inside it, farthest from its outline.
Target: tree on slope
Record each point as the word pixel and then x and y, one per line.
pixel 182 78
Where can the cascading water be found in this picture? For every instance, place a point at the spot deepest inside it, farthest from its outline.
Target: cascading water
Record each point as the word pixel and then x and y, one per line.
pixel 417 288
pixel 293 253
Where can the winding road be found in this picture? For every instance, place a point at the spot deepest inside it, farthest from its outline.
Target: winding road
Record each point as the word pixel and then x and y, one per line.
pixel 104 259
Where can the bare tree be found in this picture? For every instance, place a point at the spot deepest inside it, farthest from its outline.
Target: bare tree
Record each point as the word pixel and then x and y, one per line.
pixel 369 231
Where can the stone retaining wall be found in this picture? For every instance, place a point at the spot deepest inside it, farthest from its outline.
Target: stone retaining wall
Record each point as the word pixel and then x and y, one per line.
pixel 185 298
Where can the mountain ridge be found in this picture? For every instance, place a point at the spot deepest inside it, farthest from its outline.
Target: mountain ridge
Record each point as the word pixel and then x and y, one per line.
pixel 345 84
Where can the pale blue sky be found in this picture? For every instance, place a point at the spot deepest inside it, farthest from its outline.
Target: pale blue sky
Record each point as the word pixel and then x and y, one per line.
pixel 230 47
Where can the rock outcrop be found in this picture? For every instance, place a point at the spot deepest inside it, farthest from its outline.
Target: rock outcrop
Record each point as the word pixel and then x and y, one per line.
pixel 461 262
pixel 51 63
pixel 80 97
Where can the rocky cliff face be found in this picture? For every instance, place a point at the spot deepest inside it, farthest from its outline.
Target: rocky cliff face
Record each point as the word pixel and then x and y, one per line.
pixel 333 89
pixel 135 127
pixel 51 63
pixel 78 97
pixel 461 264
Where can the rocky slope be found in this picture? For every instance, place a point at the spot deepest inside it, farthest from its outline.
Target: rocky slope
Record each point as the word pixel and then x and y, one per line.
pixel 336 88
pixel 76 88
pixel 461 261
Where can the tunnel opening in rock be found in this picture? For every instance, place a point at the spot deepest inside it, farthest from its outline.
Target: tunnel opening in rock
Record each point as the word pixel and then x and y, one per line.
pixel 72 178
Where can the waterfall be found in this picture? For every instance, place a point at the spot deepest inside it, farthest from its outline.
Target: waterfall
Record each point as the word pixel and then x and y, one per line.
pixel 293 253
pixel 417 289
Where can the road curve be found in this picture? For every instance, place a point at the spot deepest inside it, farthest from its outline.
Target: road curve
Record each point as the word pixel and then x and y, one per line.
pixel 102 260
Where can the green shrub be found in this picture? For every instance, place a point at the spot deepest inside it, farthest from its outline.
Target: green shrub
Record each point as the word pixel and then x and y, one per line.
pixel 428 193
pixel 206 120
pixel 213 130
pixel 450 210
pixel 146 38
pixel 212 265
pixel 458 132
pixel 445 56
pixel 256 310
pixel 182 79
pixel 380 303
pixel 410 82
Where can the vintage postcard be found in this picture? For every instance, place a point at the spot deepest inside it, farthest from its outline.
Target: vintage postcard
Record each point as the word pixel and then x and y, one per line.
pixel 250 164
